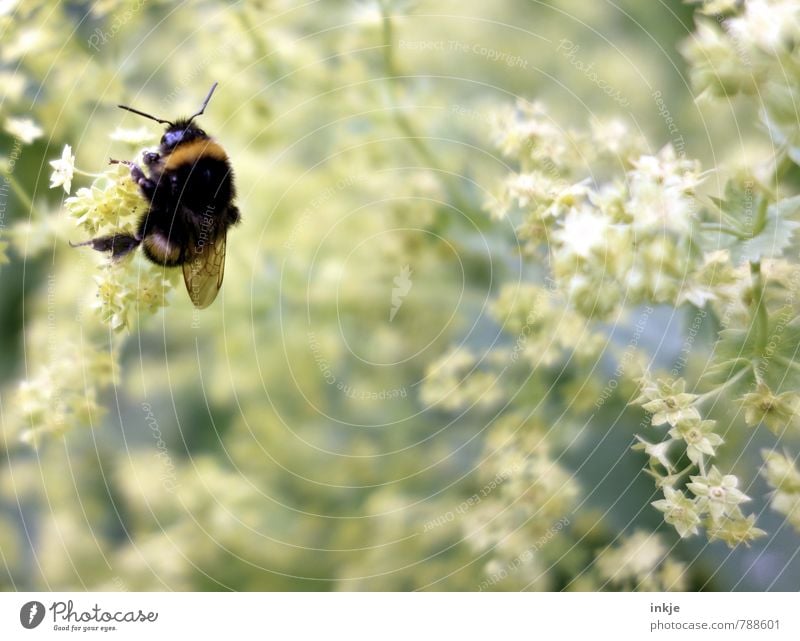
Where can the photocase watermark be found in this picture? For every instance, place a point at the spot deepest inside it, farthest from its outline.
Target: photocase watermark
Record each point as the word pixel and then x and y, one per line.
pixel 672 127
pixel 346 389
pixel 168 478
pixel 367 395
pixel 467 504
pixel 688 343
pixel 101 37
pixel 748 203
pixel 534 315
pixel 570 50
pixel 53 342
pixel 402 286
pixel 119 584
pixel 525 557
pixel 31 614
pixel 5 181
pixel 459 46
pixel 471 114
pixel 627 355
pixel 785 317
pixel 66 618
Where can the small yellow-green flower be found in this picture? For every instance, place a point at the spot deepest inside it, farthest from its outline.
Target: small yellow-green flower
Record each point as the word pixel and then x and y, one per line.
pixel 636 558
pixel 784 477
pixel 780 472
pixel 735 531
pixel 679 511
pixel 111 203
pixel 718 494
pixel 63 169
pixel 656 451
pixel 777 411
pixel 673 576
pixel 668 401
pixel 699 437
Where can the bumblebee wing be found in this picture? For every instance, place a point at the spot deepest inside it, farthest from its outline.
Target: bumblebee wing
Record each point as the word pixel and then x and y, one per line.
pixel 203 271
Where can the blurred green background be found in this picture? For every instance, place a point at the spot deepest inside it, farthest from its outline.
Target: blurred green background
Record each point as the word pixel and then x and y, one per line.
pixel 284 438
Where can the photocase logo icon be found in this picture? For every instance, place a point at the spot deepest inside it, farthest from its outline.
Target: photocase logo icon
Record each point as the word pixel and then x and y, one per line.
pixel 402 285
pixel 31 614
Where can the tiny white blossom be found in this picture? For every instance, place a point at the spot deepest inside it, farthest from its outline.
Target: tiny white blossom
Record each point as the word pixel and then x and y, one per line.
pixel 657 451
pixel 7 6
pixel 527 188
pixel 63 170
pixel 367 14
pixel 584 230
pixel 667 169
pixel 766 24
pixel 24 129
pixel 661 189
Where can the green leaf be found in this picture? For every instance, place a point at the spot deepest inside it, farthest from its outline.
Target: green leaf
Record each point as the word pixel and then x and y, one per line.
pixel 738 348
pixel 774 237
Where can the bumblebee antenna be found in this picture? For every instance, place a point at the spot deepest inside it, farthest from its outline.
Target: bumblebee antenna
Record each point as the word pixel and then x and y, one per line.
pixel 142 113
pixel 205 102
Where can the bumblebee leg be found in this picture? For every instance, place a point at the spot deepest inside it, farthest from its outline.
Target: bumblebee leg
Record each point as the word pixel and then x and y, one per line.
pixel 147 186
pixel 150 158
pixel 118 245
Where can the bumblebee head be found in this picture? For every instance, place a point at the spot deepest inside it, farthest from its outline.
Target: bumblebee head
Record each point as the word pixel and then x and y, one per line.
pixel 181 131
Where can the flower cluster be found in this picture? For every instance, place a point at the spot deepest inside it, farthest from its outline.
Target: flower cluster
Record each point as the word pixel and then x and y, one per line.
pixel 744 51
pixel 457 380
pixel 110 204
pixel 715 498
pixel 640 562
pixel 530 505
pixel 62 394
pixel 124 293
pixel 776 411
pixel 611 239
pixel 527 313
pixel 486 473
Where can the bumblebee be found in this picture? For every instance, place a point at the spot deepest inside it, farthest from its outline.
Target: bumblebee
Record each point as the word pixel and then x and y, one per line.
pixel 189 189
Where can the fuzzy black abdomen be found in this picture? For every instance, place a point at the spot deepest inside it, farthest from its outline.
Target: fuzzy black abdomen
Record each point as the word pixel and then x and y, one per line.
pixel 191 204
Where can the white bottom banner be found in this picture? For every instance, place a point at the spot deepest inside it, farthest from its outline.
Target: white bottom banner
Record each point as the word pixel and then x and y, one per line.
pixel 406 617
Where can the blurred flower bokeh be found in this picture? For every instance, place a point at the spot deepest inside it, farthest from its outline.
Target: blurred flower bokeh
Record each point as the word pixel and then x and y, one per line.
pixel 513 304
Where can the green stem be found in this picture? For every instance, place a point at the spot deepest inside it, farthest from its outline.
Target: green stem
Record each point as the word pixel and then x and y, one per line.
pixel 783 163
pixel 20 192
pixel 88 174
pixel 760 322
pixel 788 362
pixel 759 307
pixel 723 229
pixel 685 470
pixel 761 218
pixel 402 121
pixel 727 384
